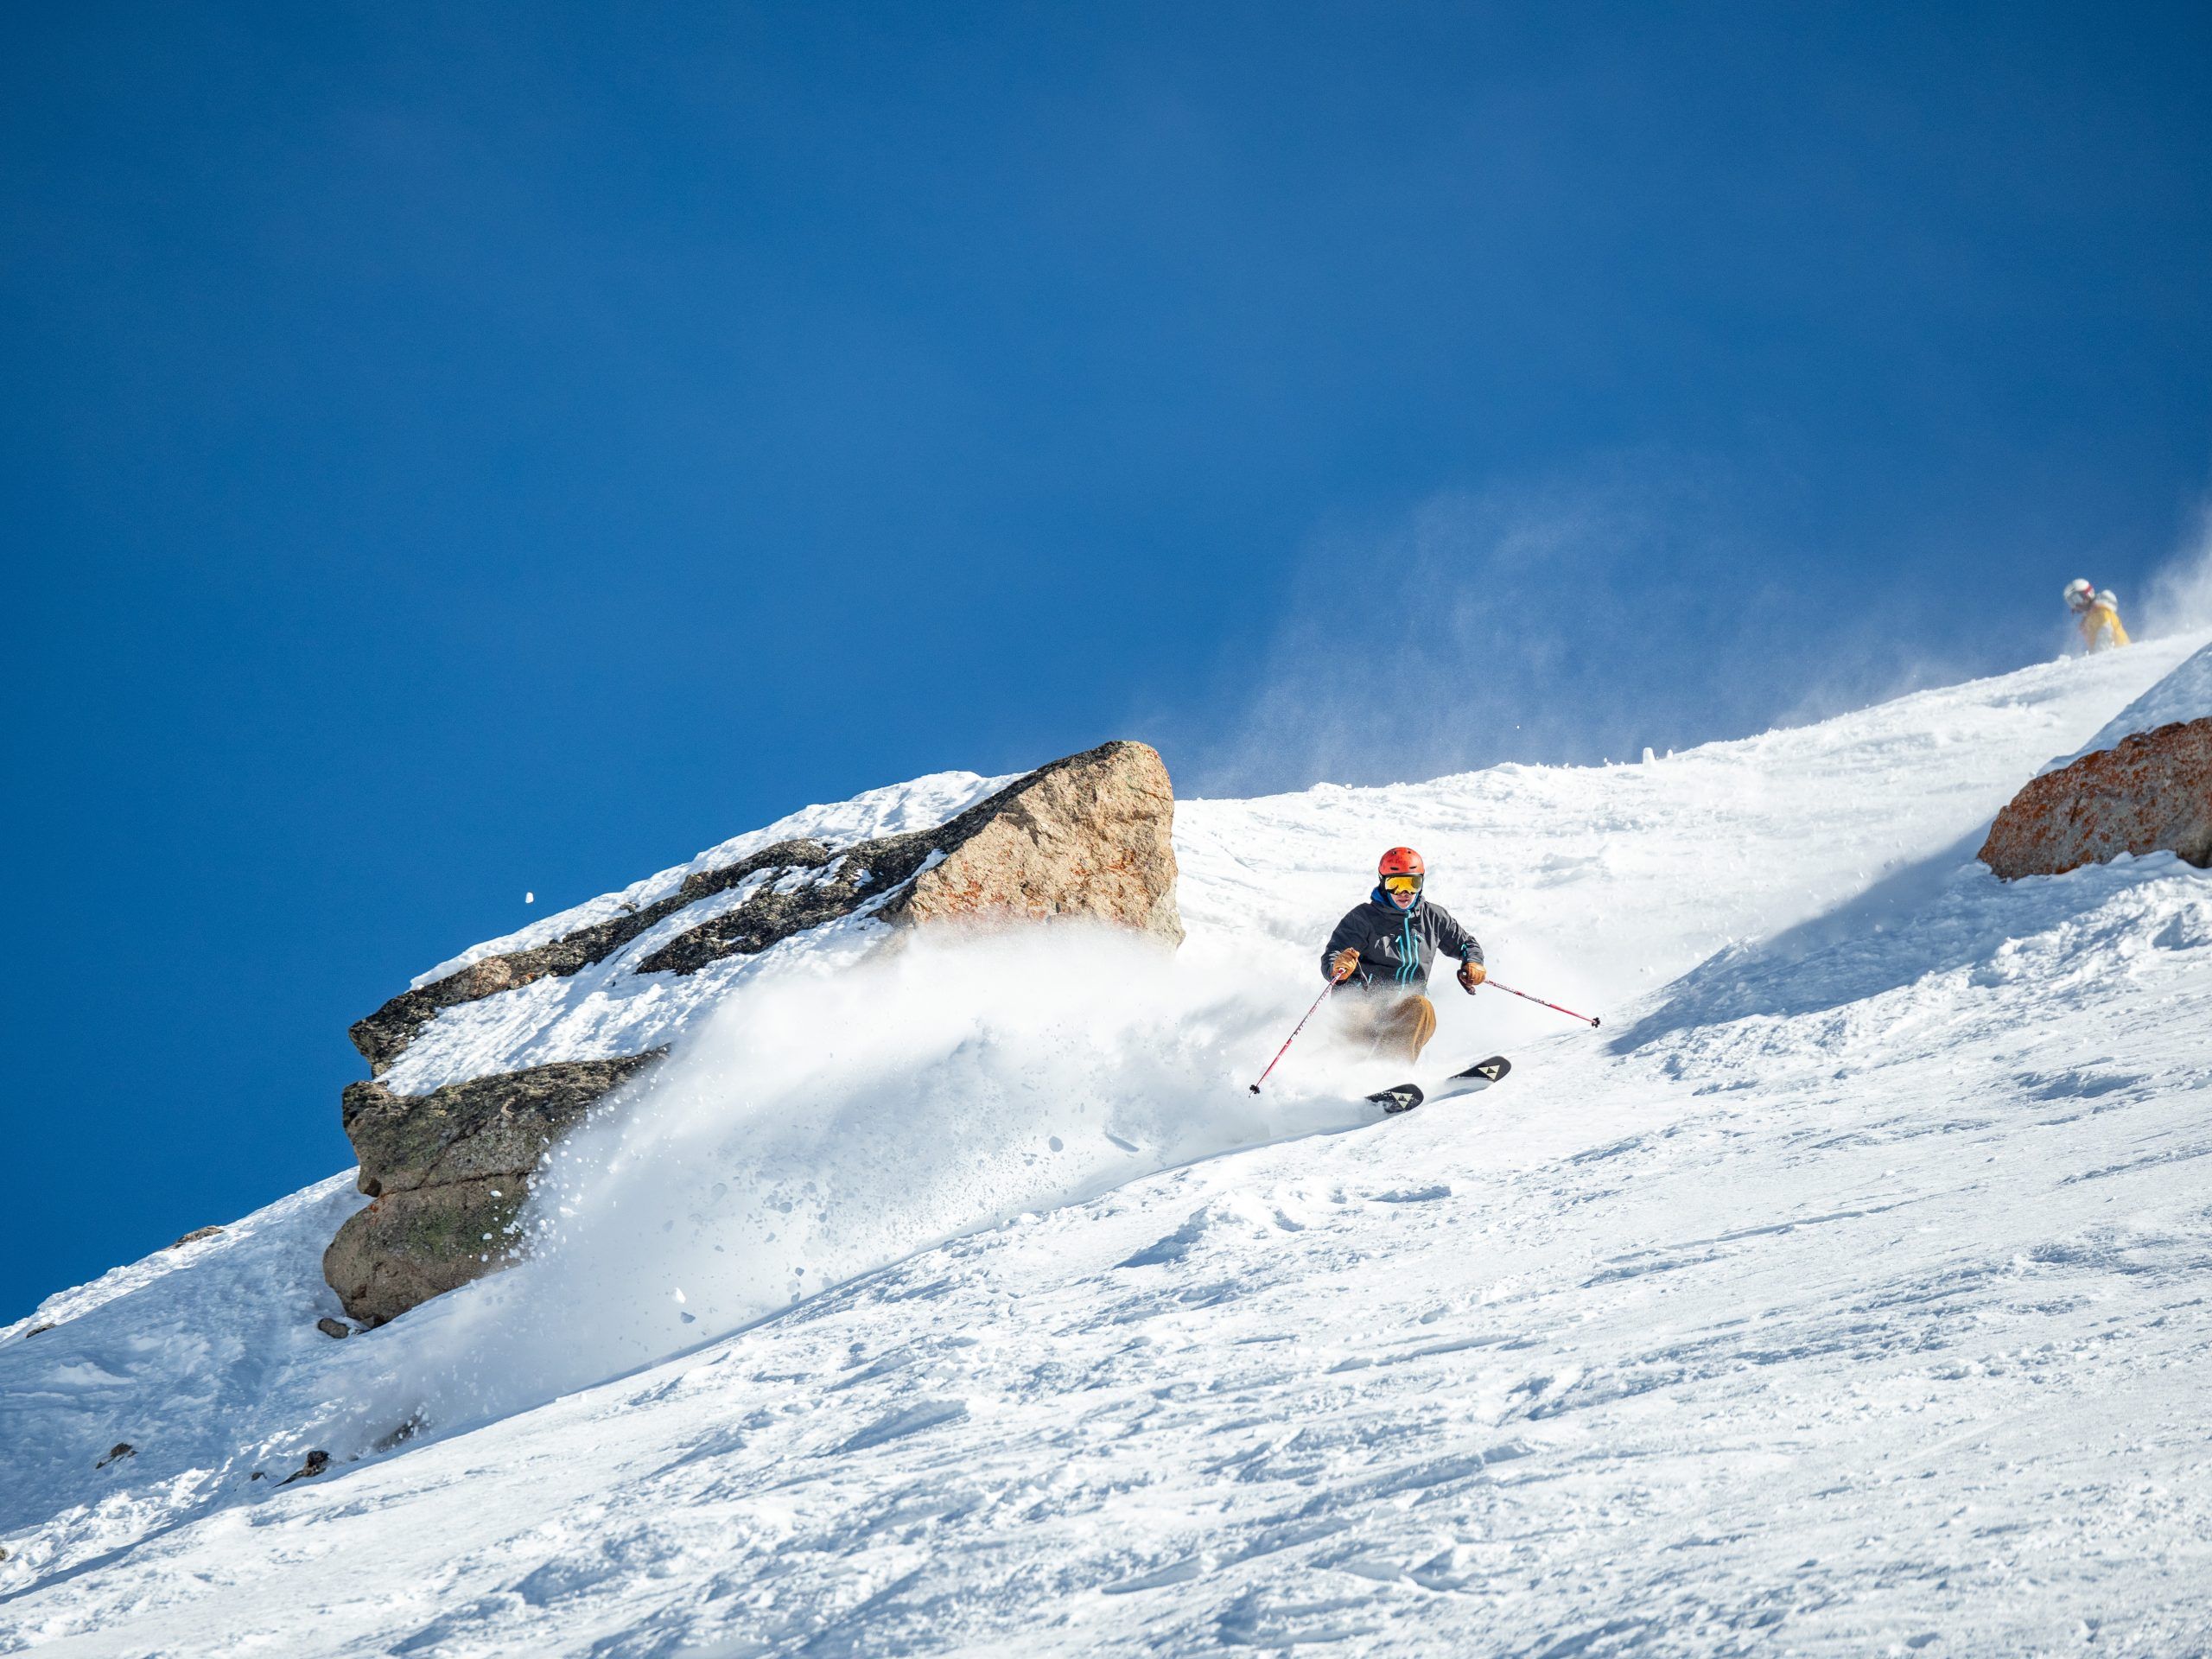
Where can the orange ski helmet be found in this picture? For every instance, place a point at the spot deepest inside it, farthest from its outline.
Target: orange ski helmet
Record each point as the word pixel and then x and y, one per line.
pixel 1401 860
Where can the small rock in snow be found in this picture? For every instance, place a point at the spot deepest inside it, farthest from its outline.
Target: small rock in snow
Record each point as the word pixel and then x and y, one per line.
pixel 316 1463
pixel 117 1452
pixel 330 1327
pixel 195 1235
pixel 35 1329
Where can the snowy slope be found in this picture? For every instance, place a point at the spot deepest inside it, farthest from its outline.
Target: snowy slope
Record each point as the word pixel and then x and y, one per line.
pixel 1842 1294
pixel 2185 694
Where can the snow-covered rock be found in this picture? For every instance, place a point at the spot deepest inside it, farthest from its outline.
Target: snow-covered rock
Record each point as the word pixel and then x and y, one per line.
pixel 2142 784
pixel 481 1069
pixel 447 1173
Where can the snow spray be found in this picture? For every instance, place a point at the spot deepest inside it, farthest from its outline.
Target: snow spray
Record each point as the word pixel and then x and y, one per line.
pixel 1294 1030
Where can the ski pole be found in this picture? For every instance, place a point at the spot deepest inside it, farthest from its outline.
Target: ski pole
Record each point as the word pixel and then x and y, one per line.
pixel 1587 1019
pixel 1294 1030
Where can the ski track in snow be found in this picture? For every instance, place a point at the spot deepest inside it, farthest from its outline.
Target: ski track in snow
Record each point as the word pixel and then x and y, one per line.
pixel 1844 1295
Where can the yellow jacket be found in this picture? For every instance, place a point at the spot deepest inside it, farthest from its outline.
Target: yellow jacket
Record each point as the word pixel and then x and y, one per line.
pixel 2101 627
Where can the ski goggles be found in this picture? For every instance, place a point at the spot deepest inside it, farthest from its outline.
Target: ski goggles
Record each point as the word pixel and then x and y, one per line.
pixel 1402 884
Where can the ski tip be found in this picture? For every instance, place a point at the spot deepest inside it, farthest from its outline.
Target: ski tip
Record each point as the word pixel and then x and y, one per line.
pixel 1489 1070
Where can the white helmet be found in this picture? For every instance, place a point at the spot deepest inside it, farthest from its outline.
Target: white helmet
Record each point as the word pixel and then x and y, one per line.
pixel 2109 600
pixel 2080 595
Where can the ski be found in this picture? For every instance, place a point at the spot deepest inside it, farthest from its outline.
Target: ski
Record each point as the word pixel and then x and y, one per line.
pixel 1480 1075
pixel 1407 1095
pixel 1403 1099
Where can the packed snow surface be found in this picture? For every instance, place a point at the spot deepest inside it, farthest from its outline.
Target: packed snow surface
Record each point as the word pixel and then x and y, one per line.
pixel 1842 1294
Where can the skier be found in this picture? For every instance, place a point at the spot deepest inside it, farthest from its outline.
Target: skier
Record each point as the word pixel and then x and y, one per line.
pixel 2098 614
pixel 1386 947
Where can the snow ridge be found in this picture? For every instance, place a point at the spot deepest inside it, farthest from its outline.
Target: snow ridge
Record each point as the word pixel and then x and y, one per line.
pixel 920 804
pixel 2185 694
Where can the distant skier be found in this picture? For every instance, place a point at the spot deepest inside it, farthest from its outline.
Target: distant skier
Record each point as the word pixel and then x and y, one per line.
pixel 1385 948
pixel 2098 614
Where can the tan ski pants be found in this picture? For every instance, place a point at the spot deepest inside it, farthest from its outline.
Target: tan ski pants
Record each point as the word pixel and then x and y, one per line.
pixel 1396 1028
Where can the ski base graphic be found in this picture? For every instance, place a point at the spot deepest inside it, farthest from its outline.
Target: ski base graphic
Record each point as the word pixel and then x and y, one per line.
pixel 1407 1095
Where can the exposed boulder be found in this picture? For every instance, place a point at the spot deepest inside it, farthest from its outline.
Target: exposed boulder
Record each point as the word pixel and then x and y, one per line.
pixel 2151 792
pixel 1089 837
pixel 449 1170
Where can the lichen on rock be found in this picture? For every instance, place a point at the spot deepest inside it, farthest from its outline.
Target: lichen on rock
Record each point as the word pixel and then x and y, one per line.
pixel 447 1168
pixel 1091 837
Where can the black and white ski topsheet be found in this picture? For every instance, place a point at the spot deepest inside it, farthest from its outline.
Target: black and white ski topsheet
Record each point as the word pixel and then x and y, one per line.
pixel 1407 1095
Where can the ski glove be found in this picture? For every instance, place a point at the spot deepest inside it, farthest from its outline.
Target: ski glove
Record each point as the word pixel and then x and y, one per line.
pixel 1471 974
pixel 1343 965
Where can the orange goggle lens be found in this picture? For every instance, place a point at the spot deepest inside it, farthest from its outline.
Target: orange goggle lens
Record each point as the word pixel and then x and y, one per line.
pixel 1402 884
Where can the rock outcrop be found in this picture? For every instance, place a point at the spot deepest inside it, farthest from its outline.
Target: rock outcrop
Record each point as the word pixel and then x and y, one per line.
pixel 1090 836
pixel 1087 837
pixel 2151 792
pixel 448 1172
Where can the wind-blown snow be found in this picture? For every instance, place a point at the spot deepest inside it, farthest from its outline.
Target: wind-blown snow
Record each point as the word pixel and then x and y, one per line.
pixel 828 1122
pixel 1840 1295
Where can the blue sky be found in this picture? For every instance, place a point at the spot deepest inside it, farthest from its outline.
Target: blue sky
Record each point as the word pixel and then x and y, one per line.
pixel 454 451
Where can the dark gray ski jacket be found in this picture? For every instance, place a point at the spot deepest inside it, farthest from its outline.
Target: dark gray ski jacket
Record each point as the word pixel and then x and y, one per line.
pixel 1397 947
